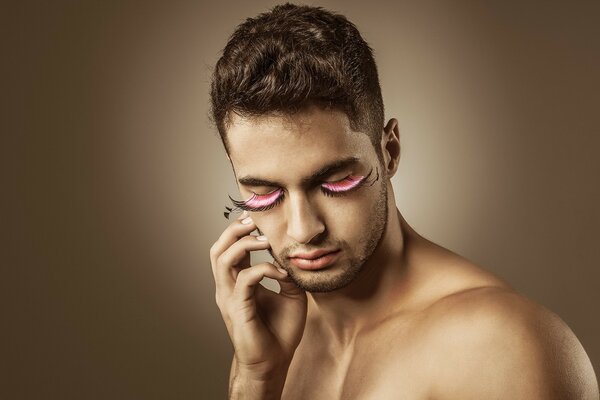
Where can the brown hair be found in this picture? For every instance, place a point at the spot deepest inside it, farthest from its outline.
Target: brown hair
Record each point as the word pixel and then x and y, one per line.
pixel 292 57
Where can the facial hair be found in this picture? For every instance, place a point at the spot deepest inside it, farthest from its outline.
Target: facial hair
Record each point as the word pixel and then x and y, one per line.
pixel 322 281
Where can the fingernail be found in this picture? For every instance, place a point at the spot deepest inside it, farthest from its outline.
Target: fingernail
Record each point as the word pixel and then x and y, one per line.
pixel 262 238
pixel 283 271
pixel 247 221
pixel 243 215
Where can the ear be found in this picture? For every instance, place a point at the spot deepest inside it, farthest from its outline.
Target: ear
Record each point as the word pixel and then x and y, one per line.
pixel 390 147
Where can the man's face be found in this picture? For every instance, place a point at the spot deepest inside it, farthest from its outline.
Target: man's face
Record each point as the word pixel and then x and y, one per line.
pixel 282 156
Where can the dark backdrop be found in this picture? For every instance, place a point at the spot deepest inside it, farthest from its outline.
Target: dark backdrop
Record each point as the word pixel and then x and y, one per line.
pixel 114 182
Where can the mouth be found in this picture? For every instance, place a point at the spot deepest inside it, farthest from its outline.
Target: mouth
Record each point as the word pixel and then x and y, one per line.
pixel 318 259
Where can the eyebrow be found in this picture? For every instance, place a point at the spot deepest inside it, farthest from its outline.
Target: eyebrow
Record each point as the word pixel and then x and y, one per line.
pixel 316 176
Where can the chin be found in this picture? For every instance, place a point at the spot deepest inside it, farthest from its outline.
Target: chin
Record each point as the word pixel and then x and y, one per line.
pixel 325 280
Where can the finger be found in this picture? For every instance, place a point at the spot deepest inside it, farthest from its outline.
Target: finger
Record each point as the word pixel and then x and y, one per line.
pixel 225 273
pixel 236 230
pixel 287 287
pixel 240 249
pixel 290 289
pixel 248 278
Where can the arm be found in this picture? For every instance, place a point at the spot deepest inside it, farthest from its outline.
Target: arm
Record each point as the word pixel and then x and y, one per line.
pixel 265 327
pixel 244 387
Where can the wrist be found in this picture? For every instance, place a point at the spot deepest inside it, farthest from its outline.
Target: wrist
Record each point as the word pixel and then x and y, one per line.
pixel 249 386
pixel 272 370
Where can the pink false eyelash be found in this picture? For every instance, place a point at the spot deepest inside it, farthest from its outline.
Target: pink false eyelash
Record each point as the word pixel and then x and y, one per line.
pixel 256 202
pixel 270 200
pixel 259 201
pixel 348 183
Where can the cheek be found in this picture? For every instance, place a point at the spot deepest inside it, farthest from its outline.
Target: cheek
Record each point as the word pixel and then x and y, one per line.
pixel 349 209
pixel 349 226
pixel 347 218
pixel 269 227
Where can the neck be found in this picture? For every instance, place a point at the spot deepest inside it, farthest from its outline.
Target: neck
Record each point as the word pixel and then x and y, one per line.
pixel 376 291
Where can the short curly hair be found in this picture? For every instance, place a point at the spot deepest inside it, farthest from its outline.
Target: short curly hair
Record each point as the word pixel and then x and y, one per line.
pixel 292 57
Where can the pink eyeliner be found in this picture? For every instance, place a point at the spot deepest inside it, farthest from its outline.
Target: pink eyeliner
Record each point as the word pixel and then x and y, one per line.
pixel 258 201
pixel 347 184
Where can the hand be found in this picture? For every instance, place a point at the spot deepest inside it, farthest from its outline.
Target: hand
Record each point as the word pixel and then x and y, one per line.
pixel 265 327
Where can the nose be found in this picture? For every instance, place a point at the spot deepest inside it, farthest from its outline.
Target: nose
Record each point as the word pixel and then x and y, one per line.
pixel 303 221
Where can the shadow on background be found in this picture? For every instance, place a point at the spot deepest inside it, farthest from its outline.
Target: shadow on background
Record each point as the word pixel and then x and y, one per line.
pixel 116 182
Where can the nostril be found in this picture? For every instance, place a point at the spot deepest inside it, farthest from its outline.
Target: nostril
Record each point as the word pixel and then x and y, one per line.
pixel 305 236
pixel 303 223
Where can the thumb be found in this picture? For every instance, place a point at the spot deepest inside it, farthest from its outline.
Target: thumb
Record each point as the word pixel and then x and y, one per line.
pixel 287 285
pixel 289 288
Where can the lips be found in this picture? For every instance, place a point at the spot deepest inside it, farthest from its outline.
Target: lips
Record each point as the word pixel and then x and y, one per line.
pixel 312 255
pixel 313 260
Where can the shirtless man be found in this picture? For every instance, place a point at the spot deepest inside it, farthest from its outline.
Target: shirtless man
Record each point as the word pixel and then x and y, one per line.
pixel 368 308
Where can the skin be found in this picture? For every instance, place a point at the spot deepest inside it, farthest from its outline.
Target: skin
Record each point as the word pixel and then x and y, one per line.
pixel 397 316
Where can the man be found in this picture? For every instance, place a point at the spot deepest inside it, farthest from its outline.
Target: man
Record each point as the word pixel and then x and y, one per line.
pixel 368 309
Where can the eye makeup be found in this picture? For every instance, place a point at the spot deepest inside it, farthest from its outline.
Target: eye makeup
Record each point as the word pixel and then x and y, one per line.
pixel 345 184
pixel 339 188
pixel 259 202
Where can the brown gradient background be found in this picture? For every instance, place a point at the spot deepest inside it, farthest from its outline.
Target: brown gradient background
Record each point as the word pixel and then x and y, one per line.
pixel 115 181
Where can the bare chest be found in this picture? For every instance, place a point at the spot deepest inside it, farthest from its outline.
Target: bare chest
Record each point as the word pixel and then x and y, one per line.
pixel 379 367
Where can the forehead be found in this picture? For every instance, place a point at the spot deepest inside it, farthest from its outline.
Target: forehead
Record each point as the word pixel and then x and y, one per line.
pixel 280 147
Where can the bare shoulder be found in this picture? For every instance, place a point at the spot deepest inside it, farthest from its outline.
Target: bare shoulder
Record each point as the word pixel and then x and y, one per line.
pixel 492 342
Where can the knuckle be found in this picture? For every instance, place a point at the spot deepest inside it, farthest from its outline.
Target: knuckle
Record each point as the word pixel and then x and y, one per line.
pixel 223 259
pixel 243 274
pixel 248 239
pixel 213 252
pixel 241 243
pixel 263 267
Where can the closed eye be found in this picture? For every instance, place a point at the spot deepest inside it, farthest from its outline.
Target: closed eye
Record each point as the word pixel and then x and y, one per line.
pixel 260 202
pixel 342 186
